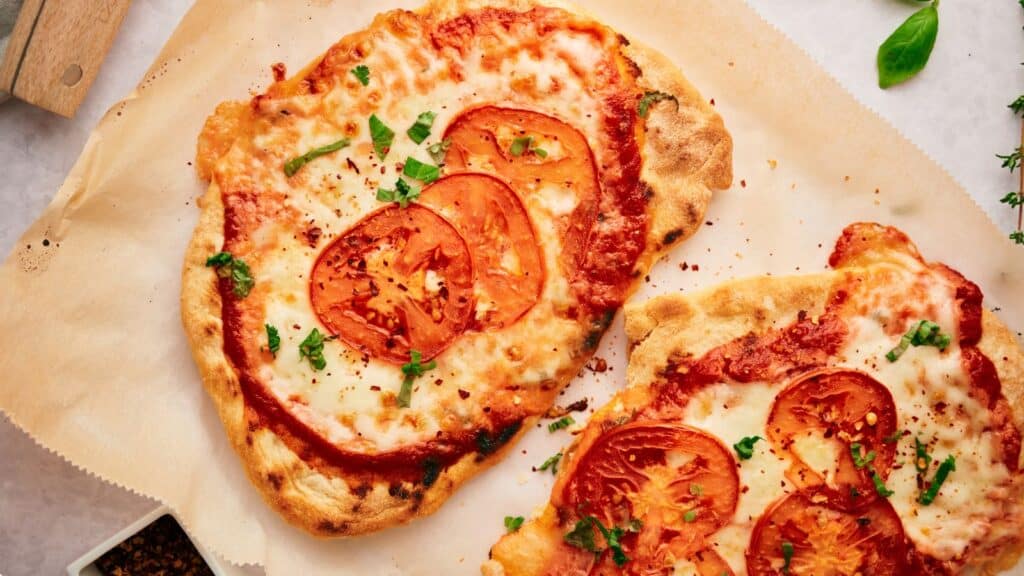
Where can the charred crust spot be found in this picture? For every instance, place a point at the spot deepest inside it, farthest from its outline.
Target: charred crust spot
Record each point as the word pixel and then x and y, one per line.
pixel 210 329
pixel 488 444
pixel 248 439
pixel 397 490
pixel 328 527
pixel 431 471
pixel 275 480
pixel 362 490
pixel 671 236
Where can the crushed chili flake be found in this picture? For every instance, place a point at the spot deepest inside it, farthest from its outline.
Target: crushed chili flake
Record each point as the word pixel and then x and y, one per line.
pixel 160 548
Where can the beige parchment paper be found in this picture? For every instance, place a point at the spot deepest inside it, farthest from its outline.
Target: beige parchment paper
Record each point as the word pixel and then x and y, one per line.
pixel 95 364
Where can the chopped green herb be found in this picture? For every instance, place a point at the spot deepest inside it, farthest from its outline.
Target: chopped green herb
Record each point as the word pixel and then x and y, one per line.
pixel 362 73
pixel 1011 160
pixel 382 136
pixel 417 170
pixel 880 485
pixel 893 438
pixel 611 537
pixel 525 145
pixel 439 150
pixel 745 447
pixel 1017 105
pixel 787 555
pixel 563 422
pixel 237 271
pixel 313 349
pixel 413 369
pixel 219 259
pixel 859 461
pixel 922 460
pixel 650 98
pixel 923 333
pixel 551 463
pixel 419 131
pixel 696 489
pixel 292 166
pixel 582 535
pixel 948 465
pixel 690 516
pixel 540 152
pixel 273 340
pixel 513 523
pixel 404 193
pixel 906 51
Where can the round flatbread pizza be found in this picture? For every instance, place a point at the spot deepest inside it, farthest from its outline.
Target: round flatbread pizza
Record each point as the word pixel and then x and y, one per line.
pixel 861 421
pixel 410 247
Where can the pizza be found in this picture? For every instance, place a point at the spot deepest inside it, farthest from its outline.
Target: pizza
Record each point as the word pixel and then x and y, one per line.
pixel 861 421
pixel 408 248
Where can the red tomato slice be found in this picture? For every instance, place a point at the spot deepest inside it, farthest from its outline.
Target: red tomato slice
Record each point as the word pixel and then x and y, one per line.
pixel 399 280
pixel 680 482
pixel 506 257
pixel 482 141
pixel 840 406
pixel 827 541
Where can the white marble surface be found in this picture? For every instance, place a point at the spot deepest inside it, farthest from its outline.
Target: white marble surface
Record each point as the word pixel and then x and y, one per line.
pixel 955 110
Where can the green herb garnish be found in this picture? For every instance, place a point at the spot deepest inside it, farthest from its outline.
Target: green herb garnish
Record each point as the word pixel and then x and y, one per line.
pixel 523 145
pixel 292 166
pixel 745 447
pixel 923 333
pixel 787 556
pixel 582 536
pixel 419 131
pixel 649 98
pixel 690 516
pixel 513 523
pixel 417 170
pixel 906 51
pixel 893 438
pixel 563 422
pixel 382 136
pixel 948 465
pixel 859 461
pixel 439 150
pixel 273 340
pixel 696 489
pixel 922 460
pixel 880 485
pixel 313 349
pixel 403 193
pixel 413 369
pixel 551 463
pixel 362 73
pixel 237 271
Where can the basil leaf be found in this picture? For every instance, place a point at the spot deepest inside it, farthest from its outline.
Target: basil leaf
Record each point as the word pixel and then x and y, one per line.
pixel 906 51
pixel 273 340
pixel 292 166
pixel 649 98
pixel 241 279
pixel 439 150
pixel 219 259
pixel 382 136
pixel 417 170
pixel 362 73
pixel 419 131
pixel 582 535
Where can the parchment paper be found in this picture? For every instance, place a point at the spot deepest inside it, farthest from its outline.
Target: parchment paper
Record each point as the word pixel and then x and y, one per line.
pixel 96 368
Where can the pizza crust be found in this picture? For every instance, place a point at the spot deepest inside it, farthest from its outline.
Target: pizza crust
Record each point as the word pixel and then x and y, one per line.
pixel 681 173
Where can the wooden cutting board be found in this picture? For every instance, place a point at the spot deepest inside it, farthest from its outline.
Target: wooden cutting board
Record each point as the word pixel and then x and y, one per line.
pixel 56 48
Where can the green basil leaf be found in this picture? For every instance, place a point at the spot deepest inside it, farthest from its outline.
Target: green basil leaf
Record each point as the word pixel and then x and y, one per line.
pixel 417 170
pixel 219 259
pixel 292 166
pixel 906 51
pixel 745 447
pixel 382 136
pixel 419 131
pixel 513 523
pixel 313 349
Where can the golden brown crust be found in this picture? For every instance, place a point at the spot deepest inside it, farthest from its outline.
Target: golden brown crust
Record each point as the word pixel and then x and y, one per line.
pixel 687 154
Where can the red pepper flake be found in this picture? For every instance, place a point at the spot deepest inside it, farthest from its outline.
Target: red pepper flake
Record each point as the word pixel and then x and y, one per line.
pixel 313 236
pixel 463 394
pixel 598 365
pixel 375 388
pixel 743 183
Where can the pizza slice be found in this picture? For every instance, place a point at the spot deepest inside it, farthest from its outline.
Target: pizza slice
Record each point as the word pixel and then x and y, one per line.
pixel 411 246
pixel 861 421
